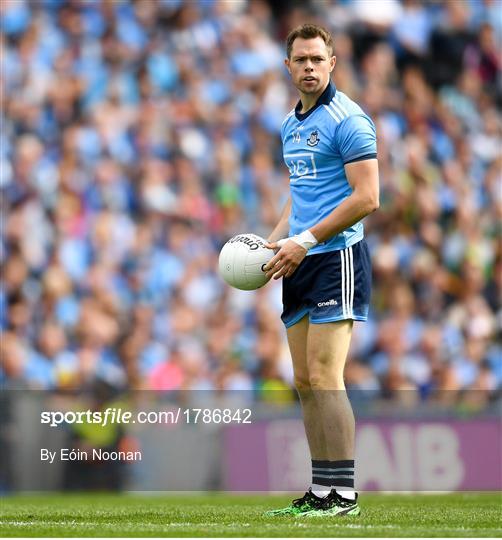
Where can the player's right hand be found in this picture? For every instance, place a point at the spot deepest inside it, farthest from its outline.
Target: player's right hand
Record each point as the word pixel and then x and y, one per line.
pixel 276 246
pixel 286 259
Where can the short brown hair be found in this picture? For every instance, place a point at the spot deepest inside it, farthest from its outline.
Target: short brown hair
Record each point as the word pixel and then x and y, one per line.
pixel 309 31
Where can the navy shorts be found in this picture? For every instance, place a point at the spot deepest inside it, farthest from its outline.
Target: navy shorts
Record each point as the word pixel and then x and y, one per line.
pixel 329 287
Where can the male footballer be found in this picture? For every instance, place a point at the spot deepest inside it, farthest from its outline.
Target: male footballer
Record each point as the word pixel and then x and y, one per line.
pixel 329 146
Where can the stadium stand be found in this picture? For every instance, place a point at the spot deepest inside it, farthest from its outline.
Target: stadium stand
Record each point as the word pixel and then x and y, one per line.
pixel 138 136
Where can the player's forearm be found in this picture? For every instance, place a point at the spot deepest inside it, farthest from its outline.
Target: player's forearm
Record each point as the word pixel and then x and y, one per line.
pixel 353 209
pixel 281 230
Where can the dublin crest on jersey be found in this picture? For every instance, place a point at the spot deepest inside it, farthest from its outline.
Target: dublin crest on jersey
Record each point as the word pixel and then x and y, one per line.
pixel 313 139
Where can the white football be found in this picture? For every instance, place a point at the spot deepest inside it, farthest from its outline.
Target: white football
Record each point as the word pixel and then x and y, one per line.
pixel 242 260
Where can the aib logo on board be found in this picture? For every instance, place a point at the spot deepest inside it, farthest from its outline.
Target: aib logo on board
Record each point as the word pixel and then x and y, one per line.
pixel 313 140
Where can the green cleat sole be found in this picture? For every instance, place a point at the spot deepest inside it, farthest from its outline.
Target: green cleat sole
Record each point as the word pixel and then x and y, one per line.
pixel 285 512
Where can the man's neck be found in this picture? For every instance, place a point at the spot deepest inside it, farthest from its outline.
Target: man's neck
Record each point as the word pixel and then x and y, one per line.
pixel 309 100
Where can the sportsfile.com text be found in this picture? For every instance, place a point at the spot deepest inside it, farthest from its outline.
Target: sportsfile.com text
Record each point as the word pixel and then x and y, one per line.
pixel 177 415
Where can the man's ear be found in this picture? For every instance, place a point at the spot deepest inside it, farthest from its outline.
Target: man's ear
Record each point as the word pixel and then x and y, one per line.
pixel 287 63
pixel 332 62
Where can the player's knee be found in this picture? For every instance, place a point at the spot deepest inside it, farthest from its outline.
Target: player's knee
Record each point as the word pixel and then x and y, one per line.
pixel 302 383
pixel 326 380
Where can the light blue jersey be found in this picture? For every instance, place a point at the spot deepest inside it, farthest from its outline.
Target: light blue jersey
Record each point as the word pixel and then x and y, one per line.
pixel 316 147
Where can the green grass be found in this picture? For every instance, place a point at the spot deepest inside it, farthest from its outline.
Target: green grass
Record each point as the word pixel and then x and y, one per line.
pixel 458 515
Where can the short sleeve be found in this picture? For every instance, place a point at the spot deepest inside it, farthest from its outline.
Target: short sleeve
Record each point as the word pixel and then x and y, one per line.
pixel 284 126
pixel 356 138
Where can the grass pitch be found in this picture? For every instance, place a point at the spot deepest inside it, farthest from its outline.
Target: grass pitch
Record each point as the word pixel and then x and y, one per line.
pixel 218 515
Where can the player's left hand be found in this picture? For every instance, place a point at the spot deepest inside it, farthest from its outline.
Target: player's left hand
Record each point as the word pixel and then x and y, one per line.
pixel 286 260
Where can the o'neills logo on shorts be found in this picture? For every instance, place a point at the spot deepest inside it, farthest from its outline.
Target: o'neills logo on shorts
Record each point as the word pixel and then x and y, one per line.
pixel 252 243
pixel 328 303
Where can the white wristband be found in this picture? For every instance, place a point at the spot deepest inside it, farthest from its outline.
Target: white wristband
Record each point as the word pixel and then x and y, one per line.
pixel 305 239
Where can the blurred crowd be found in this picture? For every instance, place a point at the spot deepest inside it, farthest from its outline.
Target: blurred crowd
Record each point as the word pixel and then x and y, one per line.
pixel 138 136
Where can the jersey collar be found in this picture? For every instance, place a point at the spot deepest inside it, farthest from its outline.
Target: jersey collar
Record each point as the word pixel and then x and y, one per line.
pixel 324 99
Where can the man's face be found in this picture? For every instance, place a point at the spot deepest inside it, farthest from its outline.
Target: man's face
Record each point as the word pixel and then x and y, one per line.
pixel 310 65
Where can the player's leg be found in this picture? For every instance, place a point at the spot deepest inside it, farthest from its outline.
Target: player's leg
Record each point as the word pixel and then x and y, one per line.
pixel 297 340
pixel 327 348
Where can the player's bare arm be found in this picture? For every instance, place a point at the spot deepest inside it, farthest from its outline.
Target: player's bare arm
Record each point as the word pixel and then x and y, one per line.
pixel 282 227
pixel 281 231
pixel 364 199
